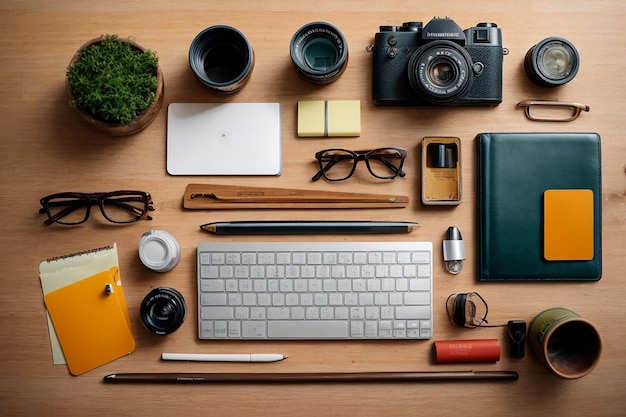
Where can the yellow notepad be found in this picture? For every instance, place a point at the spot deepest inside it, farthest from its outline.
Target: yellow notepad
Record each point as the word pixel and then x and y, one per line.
pixel 88 327
pixel 568 225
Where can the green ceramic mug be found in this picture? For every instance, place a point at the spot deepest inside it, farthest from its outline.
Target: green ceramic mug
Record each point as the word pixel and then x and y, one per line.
pixel 567 343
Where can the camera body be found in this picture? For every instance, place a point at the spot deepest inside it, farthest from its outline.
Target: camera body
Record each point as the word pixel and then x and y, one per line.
pixel 438 64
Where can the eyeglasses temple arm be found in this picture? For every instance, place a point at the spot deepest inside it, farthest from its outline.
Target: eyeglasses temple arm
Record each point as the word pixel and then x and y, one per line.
pixel 392 167
pixel 328 166
pixel 121 204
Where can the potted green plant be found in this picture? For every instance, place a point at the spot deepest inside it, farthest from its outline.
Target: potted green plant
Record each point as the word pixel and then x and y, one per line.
pixel 115 84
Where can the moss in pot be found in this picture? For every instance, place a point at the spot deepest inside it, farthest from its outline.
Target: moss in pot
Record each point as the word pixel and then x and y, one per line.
pixel 115 84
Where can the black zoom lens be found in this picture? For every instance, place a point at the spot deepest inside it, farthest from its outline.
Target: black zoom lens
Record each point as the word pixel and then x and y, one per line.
pixel 440 72
pixel 319 52
pixel 163 310
pixel 552 62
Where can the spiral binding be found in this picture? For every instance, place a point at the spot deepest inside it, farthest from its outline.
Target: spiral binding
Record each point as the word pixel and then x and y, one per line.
pixel 84 252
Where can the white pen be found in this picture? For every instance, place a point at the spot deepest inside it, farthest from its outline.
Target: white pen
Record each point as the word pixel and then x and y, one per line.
pixel 223 357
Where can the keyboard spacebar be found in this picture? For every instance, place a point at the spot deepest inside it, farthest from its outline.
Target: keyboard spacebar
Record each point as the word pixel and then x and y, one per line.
pixel 326 329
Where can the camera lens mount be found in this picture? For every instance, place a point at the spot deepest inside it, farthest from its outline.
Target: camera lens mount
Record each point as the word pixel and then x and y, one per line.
pixel 163 310
pixel 441 72
pixel 552 62
pixel 319 52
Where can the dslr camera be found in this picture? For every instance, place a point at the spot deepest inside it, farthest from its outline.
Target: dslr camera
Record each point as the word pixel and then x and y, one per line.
pixel 438 64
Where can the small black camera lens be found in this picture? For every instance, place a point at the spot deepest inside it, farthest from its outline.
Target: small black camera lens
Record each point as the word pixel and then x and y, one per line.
pixel 319 52
pixel 163 310
pixel 552 62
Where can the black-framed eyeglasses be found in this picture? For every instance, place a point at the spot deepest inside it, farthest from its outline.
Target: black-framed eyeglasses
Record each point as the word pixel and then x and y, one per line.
pixel 339 164
pixel 124 206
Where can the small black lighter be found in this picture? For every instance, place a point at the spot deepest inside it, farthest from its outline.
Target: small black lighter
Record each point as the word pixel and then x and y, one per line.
pixel 517 337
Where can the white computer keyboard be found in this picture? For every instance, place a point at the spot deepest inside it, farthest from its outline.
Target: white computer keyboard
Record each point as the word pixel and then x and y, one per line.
pixel 315 290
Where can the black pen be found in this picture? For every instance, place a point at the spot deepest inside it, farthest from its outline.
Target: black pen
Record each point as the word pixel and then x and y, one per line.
pixel 307 227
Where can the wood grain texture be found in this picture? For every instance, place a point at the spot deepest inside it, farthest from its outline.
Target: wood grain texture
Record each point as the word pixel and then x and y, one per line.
pixel 47 148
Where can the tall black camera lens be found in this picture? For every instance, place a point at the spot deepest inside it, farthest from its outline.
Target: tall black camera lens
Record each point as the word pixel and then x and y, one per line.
pixel 441 72
pixel 319 52
pixel 222 58
pixel 552 62
pixel 163 310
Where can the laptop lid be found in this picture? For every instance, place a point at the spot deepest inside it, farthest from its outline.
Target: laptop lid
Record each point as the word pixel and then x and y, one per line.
pixel 224 139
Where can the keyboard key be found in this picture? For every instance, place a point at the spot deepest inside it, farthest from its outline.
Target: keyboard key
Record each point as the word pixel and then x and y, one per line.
pixel 278 313
pixel 331 329
pixel 209 271
pixel 234 329
pixel 212 285
pixel 213 299
pixel 413 312
pixel 266 258
pixel 421 257
pixel 242 313
pixel 357 329
pixel 297 313
pixel 220 329
pixel 253 329
pixel 371 328
pixel 417 298
pixel 204 258
pixel 216 313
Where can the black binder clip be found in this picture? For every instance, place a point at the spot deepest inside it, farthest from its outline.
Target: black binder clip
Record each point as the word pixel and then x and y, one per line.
pixel 108 289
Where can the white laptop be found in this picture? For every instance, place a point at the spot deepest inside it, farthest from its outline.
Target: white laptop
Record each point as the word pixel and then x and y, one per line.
pixel 224 139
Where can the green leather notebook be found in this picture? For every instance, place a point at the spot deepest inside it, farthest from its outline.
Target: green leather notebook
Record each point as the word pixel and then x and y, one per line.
pixel 514 172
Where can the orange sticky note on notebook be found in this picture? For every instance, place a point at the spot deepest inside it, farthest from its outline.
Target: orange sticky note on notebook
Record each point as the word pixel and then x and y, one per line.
pixel 92 323
pixel 568 220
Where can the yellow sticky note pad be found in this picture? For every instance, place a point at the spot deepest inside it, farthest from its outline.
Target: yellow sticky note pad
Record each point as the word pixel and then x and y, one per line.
pixel 329 118
pixel 568 220
pixel 344 118
pixel 311 118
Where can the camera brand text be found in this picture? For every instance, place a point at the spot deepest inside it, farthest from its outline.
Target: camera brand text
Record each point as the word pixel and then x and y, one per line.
pixel 442 35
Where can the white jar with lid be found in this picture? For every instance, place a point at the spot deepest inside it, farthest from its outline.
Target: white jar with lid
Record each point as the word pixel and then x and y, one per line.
pixel 159 250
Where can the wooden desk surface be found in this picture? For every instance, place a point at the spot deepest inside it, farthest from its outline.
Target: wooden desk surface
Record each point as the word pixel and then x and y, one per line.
pixel 47 148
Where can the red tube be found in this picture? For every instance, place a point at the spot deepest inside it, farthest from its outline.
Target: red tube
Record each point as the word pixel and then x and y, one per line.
pixel 480 350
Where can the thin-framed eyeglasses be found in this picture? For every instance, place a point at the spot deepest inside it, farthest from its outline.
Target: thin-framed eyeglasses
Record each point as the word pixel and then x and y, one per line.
pixel 339 164
pixel 124 206
pixel 552 110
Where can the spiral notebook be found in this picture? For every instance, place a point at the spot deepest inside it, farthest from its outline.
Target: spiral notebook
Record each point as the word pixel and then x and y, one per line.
pixel 87 314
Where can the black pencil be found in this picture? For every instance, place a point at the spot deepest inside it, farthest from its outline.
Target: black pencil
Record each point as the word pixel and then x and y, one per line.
pixel 313 377
pixel 307 227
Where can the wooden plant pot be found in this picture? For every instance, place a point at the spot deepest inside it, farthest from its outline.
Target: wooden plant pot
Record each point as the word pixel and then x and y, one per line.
pixel 120 129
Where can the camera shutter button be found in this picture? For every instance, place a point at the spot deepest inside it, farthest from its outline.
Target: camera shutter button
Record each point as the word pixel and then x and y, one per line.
pixel 478 68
